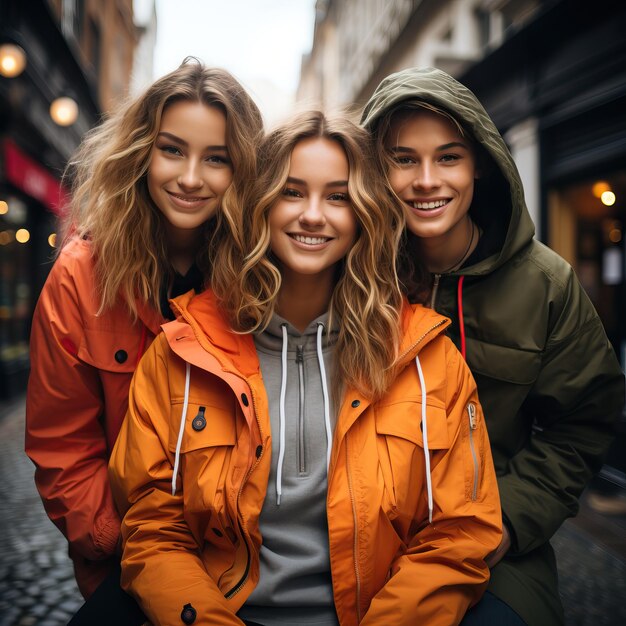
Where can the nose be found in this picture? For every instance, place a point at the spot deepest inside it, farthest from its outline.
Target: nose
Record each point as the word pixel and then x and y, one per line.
pixel 312 213
pixel 426 177
pixel 189 177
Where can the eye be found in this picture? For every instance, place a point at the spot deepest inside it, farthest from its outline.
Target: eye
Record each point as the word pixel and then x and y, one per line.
pixel 449 158
pixel 218 159
pixel 290 192
pixel 167 149
pixel 338 197
pixel 402 160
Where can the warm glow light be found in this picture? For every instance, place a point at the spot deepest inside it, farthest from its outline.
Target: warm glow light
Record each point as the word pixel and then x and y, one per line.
pixel 599 188
pixel 64 111
pixel 5 237
pixel 4 207
pixel 608 198
pixel 12 60
pixel 615 235
pixel 52 240
pixel 22 235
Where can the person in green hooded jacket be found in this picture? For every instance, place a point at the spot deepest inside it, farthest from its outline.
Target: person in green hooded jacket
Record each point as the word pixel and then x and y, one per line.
pixel 548 378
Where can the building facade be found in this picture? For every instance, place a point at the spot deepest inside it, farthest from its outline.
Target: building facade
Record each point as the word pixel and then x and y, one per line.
pixel 552 75
pixel 74 62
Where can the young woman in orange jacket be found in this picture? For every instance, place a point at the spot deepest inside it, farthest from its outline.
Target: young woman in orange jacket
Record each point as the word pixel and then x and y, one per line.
pixel 153 187
pixel 302 446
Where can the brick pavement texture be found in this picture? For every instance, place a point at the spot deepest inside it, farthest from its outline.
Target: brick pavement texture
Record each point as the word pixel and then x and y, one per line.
pixel 37 585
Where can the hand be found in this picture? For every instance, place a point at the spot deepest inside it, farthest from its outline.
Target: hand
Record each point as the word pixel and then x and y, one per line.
pixel 497 555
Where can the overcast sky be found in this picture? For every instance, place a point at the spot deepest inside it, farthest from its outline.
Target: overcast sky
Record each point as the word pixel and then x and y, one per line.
pixel 260 41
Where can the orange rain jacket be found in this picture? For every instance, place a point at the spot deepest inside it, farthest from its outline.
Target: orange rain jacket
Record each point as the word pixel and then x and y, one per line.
pixel 81 368
pixel 200 546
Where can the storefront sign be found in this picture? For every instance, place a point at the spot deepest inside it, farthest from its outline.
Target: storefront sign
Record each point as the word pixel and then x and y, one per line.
pixel 33 179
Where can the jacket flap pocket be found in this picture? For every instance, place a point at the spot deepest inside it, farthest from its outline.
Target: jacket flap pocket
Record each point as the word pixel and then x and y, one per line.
pixel 109 351
pixel 404 419
pixel 206 426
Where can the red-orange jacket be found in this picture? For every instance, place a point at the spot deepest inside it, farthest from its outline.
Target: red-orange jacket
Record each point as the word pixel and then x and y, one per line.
pixel 196 542
pixel 81 367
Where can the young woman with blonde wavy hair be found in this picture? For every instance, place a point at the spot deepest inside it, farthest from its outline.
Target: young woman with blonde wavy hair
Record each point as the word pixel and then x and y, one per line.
pixel 155 187
pixel 302 446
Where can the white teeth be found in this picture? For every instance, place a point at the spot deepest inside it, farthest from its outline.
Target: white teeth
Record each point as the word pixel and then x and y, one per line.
pixel 428 205
pixel 187 198
pixel 310 240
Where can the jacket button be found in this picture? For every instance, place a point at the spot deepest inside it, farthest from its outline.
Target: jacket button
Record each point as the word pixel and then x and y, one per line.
pixel 188 614
pixel 121 356
pixel 244 399
pixel 199 421
pixel 355 403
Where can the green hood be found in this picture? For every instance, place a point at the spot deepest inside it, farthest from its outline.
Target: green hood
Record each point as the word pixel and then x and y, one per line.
pixel 499 196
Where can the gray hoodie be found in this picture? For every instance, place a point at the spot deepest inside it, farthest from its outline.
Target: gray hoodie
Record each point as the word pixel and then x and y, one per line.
pixel 295 584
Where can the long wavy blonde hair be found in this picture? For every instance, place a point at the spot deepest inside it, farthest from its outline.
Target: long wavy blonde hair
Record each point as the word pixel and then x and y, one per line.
pixel 111 205
pixel 366 300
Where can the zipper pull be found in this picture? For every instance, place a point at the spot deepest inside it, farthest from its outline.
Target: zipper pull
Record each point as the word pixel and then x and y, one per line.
pixel 299 354
pixel 471 410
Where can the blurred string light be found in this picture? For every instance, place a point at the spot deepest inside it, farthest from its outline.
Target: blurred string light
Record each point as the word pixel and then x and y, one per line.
pixel 6 237
pixel 599 188
pixel 52 240
pixel 22 235
pixel 608 198
pixel 12 60
pixel 64 111
pixel 4 207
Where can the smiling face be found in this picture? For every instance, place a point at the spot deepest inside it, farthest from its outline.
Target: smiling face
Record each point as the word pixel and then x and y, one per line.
pixel 312 224
pixel 433 173
pixel 189 167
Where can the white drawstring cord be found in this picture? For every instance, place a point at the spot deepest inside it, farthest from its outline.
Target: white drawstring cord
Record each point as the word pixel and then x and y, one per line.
pixel 281 413
pixel 181 430
pixel 429 485
pixel 320 360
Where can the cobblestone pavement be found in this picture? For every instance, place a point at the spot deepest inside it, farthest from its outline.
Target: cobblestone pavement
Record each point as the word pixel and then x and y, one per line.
pixel 37 586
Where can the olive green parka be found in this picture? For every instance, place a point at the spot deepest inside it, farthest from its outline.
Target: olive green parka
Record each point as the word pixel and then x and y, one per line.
pixel 548 378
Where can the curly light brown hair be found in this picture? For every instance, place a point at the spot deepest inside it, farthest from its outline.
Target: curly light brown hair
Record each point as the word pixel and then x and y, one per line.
pixel 111 205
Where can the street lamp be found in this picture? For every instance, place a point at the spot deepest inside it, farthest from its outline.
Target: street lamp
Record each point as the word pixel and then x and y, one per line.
pixel 12 60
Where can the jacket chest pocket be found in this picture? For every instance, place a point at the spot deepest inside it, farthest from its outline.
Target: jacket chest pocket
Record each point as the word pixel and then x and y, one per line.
pixel 402 463
pixel 206 448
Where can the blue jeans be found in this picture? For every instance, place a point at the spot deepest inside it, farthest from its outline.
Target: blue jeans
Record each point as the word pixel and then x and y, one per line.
pixel 491 611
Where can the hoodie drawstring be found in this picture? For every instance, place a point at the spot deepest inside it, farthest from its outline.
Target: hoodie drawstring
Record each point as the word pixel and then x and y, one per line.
pixel 181 430
pixel 320 360
pixel 281 417
pixel 429 485
pixel 459 301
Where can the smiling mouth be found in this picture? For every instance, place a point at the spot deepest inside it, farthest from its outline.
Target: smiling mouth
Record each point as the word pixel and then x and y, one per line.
pixel 310 241
pixel 188 198
pixel 427 206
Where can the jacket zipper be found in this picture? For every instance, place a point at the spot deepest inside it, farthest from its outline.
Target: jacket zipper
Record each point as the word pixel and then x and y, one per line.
pixel 415 344
pixel 242 581
pixel 301 453
pixel 355 545
pixel 433 293
pixel 473 425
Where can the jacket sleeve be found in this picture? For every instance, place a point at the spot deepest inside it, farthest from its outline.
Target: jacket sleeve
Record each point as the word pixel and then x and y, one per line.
pixel 161 566
pixel 443 572
pixel 64 436
pixel 575 404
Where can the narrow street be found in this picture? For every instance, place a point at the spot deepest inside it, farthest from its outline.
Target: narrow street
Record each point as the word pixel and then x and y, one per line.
pixel 37 586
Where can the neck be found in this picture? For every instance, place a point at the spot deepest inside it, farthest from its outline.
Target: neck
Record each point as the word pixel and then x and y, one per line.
pixel 448 253
pixel 182 247
pixel 304 298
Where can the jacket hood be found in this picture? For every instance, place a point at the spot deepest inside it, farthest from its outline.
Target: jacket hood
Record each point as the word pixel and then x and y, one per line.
pixel 499 194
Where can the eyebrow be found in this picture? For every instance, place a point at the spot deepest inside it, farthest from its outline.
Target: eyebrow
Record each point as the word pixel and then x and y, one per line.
pixel 445 146
pixel 183 143
pixel 299 181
